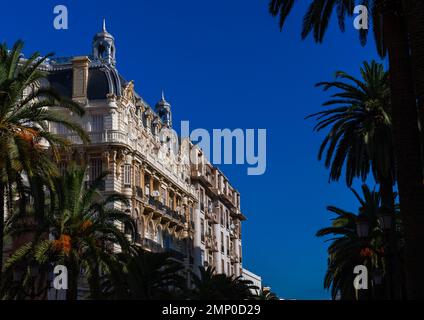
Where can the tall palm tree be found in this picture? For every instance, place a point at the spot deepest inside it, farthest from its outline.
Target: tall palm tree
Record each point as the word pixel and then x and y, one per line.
pixel 360 129
pixel 348 250
pixel 24 117
pixel 387 17
pixel 212 286
pixel 84 230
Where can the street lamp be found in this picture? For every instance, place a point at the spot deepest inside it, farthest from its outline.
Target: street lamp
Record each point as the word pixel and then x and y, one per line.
pixel 385 220
pixel 362 226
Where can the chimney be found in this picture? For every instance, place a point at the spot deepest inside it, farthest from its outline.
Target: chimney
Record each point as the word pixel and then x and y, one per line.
pixel 80 78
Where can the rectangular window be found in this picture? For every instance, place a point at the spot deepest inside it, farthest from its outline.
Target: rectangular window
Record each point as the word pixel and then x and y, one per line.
pixel 95 168
pixel 228 245
pixel 171 201
pixel 96 123
pixel 127 175
pixel 202 230
pixel 163 195
pixel 222 266
pixel 202 199
pixel 222 242
pixel 146 185
pixel 227 218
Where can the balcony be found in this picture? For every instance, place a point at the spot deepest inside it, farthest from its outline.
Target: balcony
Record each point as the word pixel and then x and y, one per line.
pixel 138 192
pixel 234 258
pixel 234 234
pixel 111 136
pixel 153 204
pixel 150 245
pixel 212 216
pixel 227 199
pixel 211 244
pixel 199 174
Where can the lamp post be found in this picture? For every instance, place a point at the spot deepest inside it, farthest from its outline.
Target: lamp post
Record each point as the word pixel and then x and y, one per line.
pixel 377 280
pixel 385 220
pixel 362 228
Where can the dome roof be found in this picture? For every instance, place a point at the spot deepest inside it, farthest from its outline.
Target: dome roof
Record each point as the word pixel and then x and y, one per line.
pixel 103 34
pixel 163 104
pixel 101 82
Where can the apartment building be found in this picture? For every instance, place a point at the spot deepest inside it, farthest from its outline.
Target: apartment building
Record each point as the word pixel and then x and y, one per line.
pixel 189 209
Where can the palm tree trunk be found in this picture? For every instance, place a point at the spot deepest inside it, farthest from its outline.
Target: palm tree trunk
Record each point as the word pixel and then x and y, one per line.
pixel 1 226
pixel 414 16
pixel 73 274
pixel 407 150
pixel 72 292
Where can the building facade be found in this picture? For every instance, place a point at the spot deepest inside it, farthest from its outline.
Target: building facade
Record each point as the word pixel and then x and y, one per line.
pixel 185 207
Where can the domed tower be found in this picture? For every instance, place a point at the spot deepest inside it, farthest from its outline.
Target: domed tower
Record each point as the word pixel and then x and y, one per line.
pixel 104 46
pixel 163 109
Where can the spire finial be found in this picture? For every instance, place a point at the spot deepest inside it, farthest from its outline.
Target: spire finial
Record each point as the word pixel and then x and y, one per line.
pixel 163 96
pixel 104 25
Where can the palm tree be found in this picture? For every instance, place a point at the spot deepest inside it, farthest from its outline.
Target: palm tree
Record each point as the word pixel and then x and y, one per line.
pixel 348 250
pixel 24 117
pixel 212 286
pixel 84 230
pixel 392 38
pixel 360 136
pixel 144 275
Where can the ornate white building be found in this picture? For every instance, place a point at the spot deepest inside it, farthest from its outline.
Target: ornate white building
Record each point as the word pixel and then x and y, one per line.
pixel 188 209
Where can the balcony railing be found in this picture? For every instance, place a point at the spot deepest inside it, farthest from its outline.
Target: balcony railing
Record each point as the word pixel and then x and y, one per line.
pixel 200 173
pixel 150 245
pixel 165 210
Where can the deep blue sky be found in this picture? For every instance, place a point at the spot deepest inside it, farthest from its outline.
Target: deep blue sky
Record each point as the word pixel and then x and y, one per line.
pixel 224 64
